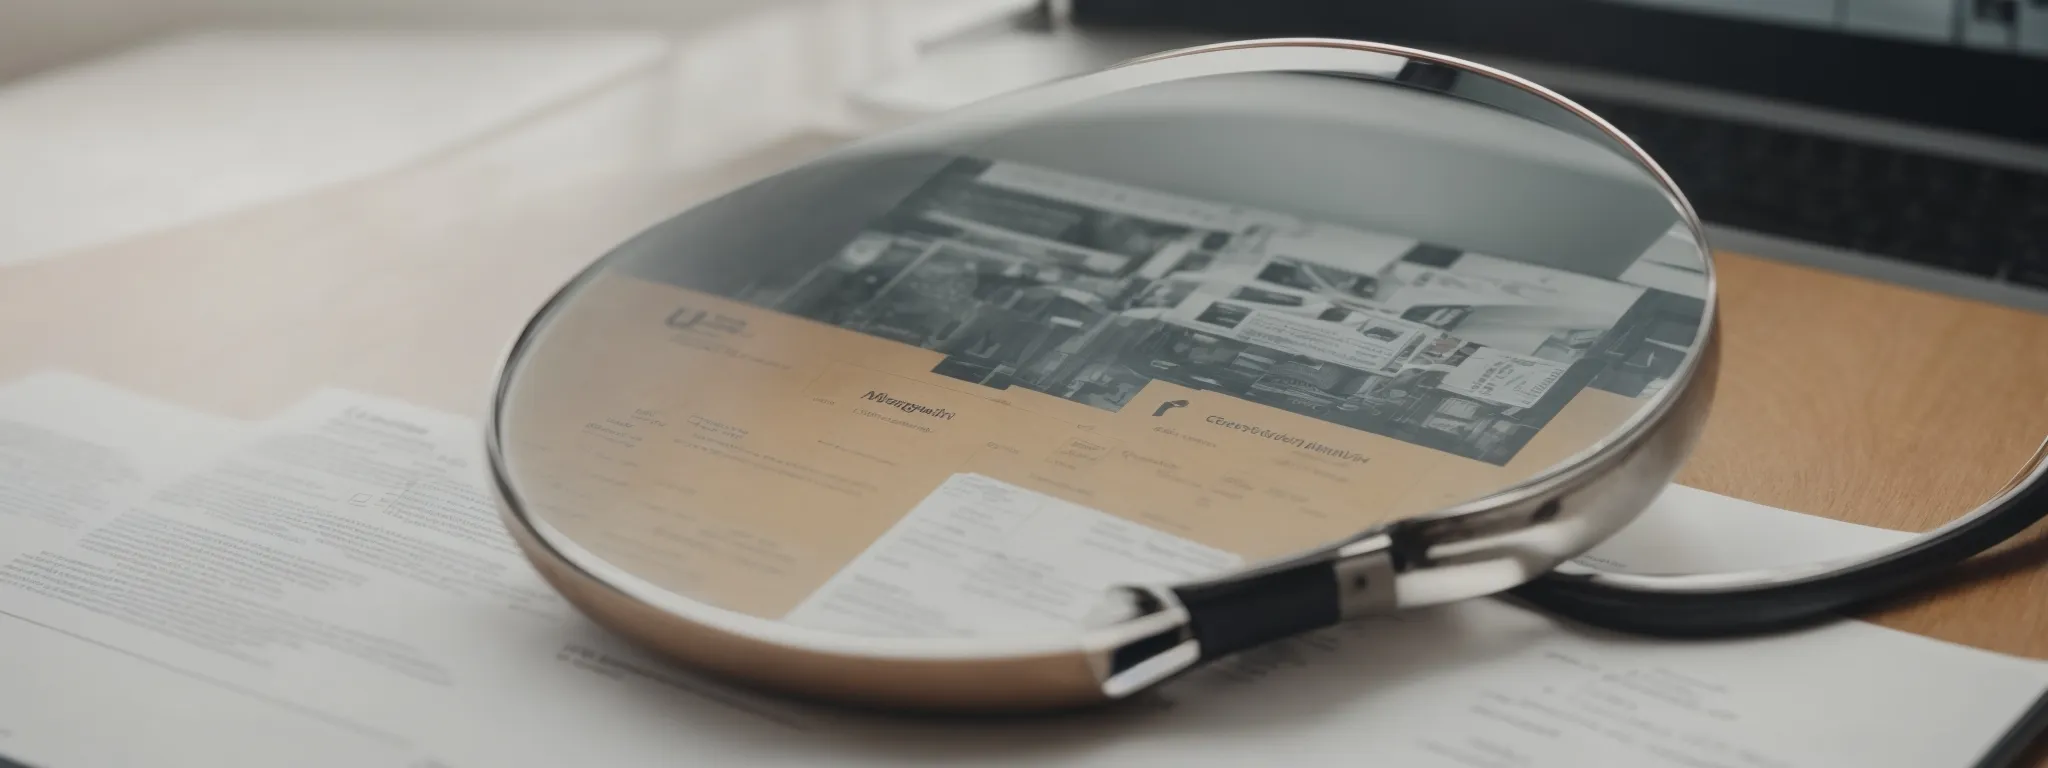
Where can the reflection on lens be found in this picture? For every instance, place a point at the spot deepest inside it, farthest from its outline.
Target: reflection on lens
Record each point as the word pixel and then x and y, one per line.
pixel 958 382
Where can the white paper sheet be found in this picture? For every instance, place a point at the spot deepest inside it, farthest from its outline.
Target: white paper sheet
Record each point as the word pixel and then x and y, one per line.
pixel 72 448
pixel 345 572
pixel 982 557
pixel 74 452
pixel 355 606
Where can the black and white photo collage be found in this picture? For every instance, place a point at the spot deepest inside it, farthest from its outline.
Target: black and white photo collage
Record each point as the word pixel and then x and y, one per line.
pixel 1088 290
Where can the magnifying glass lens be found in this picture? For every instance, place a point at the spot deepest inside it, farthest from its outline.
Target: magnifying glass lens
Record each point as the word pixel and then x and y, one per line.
pixel 1046 400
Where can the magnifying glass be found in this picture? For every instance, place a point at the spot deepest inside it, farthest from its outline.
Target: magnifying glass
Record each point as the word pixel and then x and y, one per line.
pixel 1058 396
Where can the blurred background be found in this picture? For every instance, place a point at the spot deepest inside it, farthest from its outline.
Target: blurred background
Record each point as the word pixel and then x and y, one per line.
pixel 120 118
pixel 1895 139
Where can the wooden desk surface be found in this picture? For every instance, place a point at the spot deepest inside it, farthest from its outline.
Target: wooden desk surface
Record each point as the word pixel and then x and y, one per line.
pixel 1840 397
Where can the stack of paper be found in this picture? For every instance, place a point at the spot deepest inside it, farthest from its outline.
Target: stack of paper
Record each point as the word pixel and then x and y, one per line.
pixel 332 587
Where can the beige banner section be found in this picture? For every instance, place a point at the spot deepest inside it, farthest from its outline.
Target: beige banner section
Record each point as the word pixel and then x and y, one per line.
pixel 742 457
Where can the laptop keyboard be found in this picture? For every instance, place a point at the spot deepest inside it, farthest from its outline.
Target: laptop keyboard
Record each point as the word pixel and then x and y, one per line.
pixel 1897 204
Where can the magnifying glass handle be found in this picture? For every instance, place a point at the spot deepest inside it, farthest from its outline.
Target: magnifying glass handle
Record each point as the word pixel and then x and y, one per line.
pixel 1155 633
pixel 1287 599
pixel 1164 631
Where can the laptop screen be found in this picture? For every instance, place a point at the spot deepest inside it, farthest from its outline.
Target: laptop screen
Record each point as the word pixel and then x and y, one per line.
pixel 1977 66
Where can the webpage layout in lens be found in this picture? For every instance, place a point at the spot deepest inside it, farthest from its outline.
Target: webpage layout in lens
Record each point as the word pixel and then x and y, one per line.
pixel 1231 379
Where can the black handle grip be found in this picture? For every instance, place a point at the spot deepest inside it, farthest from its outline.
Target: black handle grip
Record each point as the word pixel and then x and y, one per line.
pixel 1257 608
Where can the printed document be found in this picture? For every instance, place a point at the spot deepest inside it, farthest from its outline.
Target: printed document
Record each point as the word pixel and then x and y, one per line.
pixel 333 587
pixel 72 448
pixel 983 557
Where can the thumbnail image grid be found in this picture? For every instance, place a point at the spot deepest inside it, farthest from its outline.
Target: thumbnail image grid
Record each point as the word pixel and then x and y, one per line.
pixel 1088 290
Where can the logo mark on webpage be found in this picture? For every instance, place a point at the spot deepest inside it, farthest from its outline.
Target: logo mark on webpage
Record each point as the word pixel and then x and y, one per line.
pixel 685 319
pixel 1168 406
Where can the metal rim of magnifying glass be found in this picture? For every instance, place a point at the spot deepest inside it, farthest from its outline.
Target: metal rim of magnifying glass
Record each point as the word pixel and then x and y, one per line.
pixel 1479 547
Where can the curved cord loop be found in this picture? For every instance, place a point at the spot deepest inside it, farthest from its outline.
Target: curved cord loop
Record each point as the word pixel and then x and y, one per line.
pixel 1700 605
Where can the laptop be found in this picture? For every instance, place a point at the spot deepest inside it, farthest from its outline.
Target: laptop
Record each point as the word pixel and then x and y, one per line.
pixel 1899 140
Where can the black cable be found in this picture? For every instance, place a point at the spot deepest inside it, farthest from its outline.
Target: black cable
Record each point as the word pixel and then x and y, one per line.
pixel 1786 605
